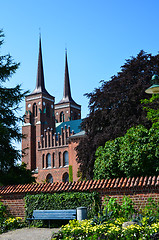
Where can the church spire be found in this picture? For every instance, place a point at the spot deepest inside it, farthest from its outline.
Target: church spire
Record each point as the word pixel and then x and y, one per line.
pixel 67 90
pixel 40 84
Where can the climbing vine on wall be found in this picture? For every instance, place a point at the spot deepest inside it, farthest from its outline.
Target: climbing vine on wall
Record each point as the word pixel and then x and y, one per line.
pixel 63 200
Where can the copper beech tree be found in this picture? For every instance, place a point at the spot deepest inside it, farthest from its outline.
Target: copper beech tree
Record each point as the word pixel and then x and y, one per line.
pixel 115 107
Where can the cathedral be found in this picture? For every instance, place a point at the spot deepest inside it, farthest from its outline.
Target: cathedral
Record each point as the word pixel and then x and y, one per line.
pixel 52 131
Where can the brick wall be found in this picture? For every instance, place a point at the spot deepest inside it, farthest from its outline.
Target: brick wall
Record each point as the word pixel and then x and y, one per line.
pixel 139 190
pixel 15 204
pixel 139 196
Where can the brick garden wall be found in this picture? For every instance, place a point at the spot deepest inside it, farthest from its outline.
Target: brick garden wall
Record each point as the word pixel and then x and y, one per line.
pixel 138 196
pixel 15 204
pixel 139 190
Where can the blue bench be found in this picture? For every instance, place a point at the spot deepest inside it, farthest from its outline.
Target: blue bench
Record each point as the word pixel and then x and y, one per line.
pixel 68 214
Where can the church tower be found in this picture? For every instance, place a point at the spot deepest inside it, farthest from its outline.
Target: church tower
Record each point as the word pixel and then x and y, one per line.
pixel 39 116
pixel 67 109
pixel 48 152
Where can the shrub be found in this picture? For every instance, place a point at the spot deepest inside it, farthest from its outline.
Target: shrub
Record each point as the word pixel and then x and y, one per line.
pixel 83 230
pixel 13 223
pixel 108 223
pixel 8 223
pixel 126 209
pixel 66 200
pixel 112 205
pixel 3 212
pixel 152 208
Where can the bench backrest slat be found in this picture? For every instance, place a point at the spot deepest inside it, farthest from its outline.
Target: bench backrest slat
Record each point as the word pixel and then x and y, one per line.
pixel 54 214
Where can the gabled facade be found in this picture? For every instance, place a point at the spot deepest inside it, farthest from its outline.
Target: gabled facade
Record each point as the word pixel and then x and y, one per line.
pixel 47 129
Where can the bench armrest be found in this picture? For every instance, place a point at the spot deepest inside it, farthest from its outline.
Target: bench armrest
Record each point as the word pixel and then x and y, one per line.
pixel 30 218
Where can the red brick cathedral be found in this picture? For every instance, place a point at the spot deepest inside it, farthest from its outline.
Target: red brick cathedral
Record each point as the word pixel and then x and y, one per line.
pixel 52 131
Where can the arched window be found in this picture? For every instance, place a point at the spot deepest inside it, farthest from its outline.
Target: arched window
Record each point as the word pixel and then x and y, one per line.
pixel 62 117
pixel 59 159
pixel 49 178
pixel 65 177
pixel 43 159
pixel 34 110
pixel 48 160
pixel 53 160
pixel 65 159
pixel 47 110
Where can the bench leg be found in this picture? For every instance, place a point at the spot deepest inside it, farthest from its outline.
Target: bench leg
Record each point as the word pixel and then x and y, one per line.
pixel 29 222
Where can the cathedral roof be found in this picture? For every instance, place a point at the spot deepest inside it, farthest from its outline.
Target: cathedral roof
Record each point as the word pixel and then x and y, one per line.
pixel 77 135
pixel 40 83
pixel 67 90
pixel 75 125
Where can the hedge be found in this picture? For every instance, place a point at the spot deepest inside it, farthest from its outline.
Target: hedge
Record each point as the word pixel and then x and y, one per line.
pixel 62 201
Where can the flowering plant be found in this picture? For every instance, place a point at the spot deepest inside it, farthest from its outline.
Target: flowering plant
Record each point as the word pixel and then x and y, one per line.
pixel 11 223
pixel 84 230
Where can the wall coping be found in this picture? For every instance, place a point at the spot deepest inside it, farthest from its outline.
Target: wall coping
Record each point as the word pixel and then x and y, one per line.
pixel 89 185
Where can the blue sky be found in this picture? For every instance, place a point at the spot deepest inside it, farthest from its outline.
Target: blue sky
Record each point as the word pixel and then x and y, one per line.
pixel 99 36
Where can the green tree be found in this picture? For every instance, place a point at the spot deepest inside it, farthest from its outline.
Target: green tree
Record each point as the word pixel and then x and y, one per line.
pixel 134 154
pixel 152 110
pixel 115 107
pixel 10 99
pixel 107 160
pixel 18 174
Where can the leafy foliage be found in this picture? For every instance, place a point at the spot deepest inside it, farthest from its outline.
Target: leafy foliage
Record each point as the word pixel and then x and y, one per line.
pixel 111 209
pixel 3 212
pixel 110 226
pixel 134 154
pixel 152 110
pixel 115 107
pixel 84 230
pixel 151 208
pixel 103 216
pixel 12 223
pixel 7 222
pixel 62 201
pixel 125 209
pixel 10 99
pixel 18 174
